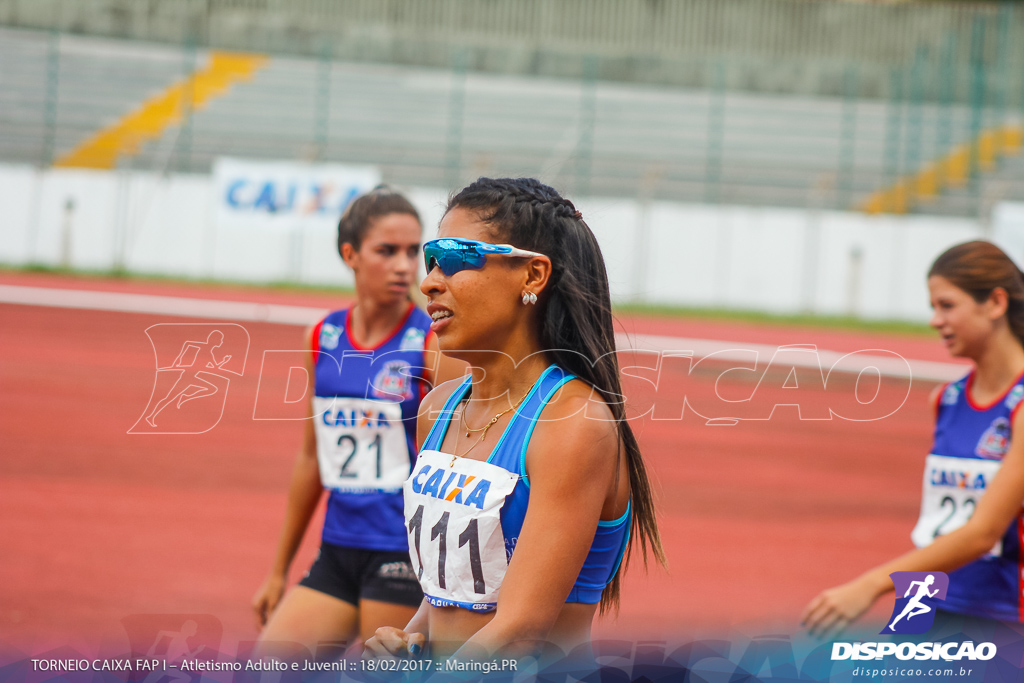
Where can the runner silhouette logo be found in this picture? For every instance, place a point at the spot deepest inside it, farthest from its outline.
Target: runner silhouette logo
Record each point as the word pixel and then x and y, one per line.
pixel 917 594
pixel 194 366
pixel 169 640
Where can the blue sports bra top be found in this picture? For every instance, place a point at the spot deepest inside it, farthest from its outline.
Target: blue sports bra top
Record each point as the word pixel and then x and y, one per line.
pixel 611 538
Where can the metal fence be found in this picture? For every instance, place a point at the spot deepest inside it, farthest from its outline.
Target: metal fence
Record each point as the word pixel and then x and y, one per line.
pixel 938 131
pixel 797 46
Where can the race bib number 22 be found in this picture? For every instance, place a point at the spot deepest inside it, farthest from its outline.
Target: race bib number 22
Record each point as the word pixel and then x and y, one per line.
pixel 952 489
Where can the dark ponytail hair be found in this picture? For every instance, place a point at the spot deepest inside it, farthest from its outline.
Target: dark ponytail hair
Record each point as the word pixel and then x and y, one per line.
pixel 978 268
pixel 575 317
pixel 361 212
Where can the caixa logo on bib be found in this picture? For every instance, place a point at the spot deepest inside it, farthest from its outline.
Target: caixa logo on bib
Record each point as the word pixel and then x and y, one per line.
pixel 917 594
pixel 438 486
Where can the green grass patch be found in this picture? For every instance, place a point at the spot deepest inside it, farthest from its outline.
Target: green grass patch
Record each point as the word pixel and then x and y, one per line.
pixel 674 312
pixel 780 319
pixel 178 280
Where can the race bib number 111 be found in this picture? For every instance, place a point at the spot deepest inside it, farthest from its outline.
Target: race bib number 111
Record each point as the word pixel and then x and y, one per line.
pixel 453 518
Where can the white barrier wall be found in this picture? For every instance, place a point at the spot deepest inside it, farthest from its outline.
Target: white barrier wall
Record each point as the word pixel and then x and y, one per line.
pixel 775 260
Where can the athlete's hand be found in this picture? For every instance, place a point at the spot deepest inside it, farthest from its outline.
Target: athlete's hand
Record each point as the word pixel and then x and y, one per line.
pixel 390 642
pixel 835 608
pixel 266 599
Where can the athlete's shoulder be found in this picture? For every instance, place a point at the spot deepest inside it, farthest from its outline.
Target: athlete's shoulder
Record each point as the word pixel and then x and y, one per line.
pixel 576 397
pixel 577 432
pixel 439 395
pixel 578 413
pixel 328 333
pixel 950 393
pixel 432 405
pixel 337 317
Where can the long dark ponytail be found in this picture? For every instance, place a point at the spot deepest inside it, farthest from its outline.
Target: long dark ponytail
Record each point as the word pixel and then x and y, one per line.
pixel 576 317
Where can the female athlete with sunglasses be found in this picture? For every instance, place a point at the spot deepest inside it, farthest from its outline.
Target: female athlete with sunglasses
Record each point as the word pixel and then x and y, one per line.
pixel 371 366
pixel 971 524
pixel 529 487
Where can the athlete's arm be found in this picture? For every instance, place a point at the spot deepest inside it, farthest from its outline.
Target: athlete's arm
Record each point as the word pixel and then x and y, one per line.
pixel 999 505
pixel 304 493
pixel 571 464
pixel 389 641
pixel 420 624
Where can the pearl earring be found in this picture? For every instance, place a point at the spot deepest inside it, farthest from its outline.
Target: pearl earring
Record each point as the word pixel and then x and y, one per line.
pixel 529 298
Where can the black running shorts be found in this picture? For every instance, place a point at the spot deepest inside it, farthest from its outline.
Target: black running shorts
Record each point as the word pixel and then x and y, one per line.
pixel 354 574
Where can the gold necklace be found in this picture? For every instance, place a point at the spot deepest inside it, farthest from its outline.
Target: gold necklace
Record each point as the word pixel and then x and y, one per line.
pixel 483 429
pixel 493 419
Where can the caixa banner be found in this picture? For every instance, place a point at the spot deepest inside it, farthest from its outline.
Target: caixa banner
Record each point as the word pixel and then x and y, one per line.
pixel 285 194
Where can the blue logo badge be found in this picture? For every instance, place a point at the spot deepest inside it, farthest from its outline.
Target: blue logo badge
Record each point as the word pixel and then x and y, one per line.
pixel 1016 394
pixel 413 340
pixel 393 382
pixel 994 443
pixel 329 336
pixel 914 613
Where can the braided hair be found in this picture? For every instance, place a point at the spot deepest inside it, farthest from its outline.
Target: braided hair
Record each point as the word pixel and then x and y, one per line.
pixel 575 317
pixel 979 267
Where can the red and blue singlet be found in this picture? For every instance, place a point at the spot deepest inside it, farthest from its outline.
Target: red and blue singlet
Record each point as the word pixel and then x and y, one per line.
pixel 364 410
pixel 970 442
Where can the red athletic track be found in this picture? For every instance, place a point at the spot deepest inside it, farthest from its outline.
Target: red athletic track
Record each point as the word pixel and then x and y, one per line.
pixel 97 524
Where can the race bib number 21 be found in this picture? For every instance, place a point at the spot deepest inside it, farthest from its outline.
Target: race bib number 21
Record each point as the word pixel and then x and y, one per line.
pixel 360 444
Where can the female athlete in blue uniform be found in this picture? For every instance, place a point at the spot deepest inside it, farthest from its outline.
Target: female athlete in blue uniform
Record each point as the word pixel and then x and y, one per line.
pixel 529 487
pixel 971 523
pixel 370 368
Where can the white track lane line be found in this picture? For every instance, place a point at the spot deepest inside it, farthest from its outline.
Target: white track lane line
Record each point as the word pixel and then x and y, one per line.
pixel 161 305
pixel 887 365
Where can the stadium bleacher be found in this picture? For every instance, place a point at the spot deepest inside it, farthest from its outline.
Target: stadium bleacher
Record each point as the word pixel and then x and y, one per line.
pixel 438 128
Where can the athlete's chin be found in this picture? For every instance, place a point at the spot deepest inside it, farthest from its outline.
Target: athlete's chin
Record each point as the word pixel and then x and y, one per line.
pixel 456 346
pixel 959 350
pixel 400 289
pixel 449 345
pixel 394 297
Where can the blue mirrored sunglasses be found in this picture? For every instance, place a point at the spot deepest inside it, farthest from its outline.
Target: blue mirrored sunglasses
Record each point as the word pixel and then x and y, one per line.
pixel 452 254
